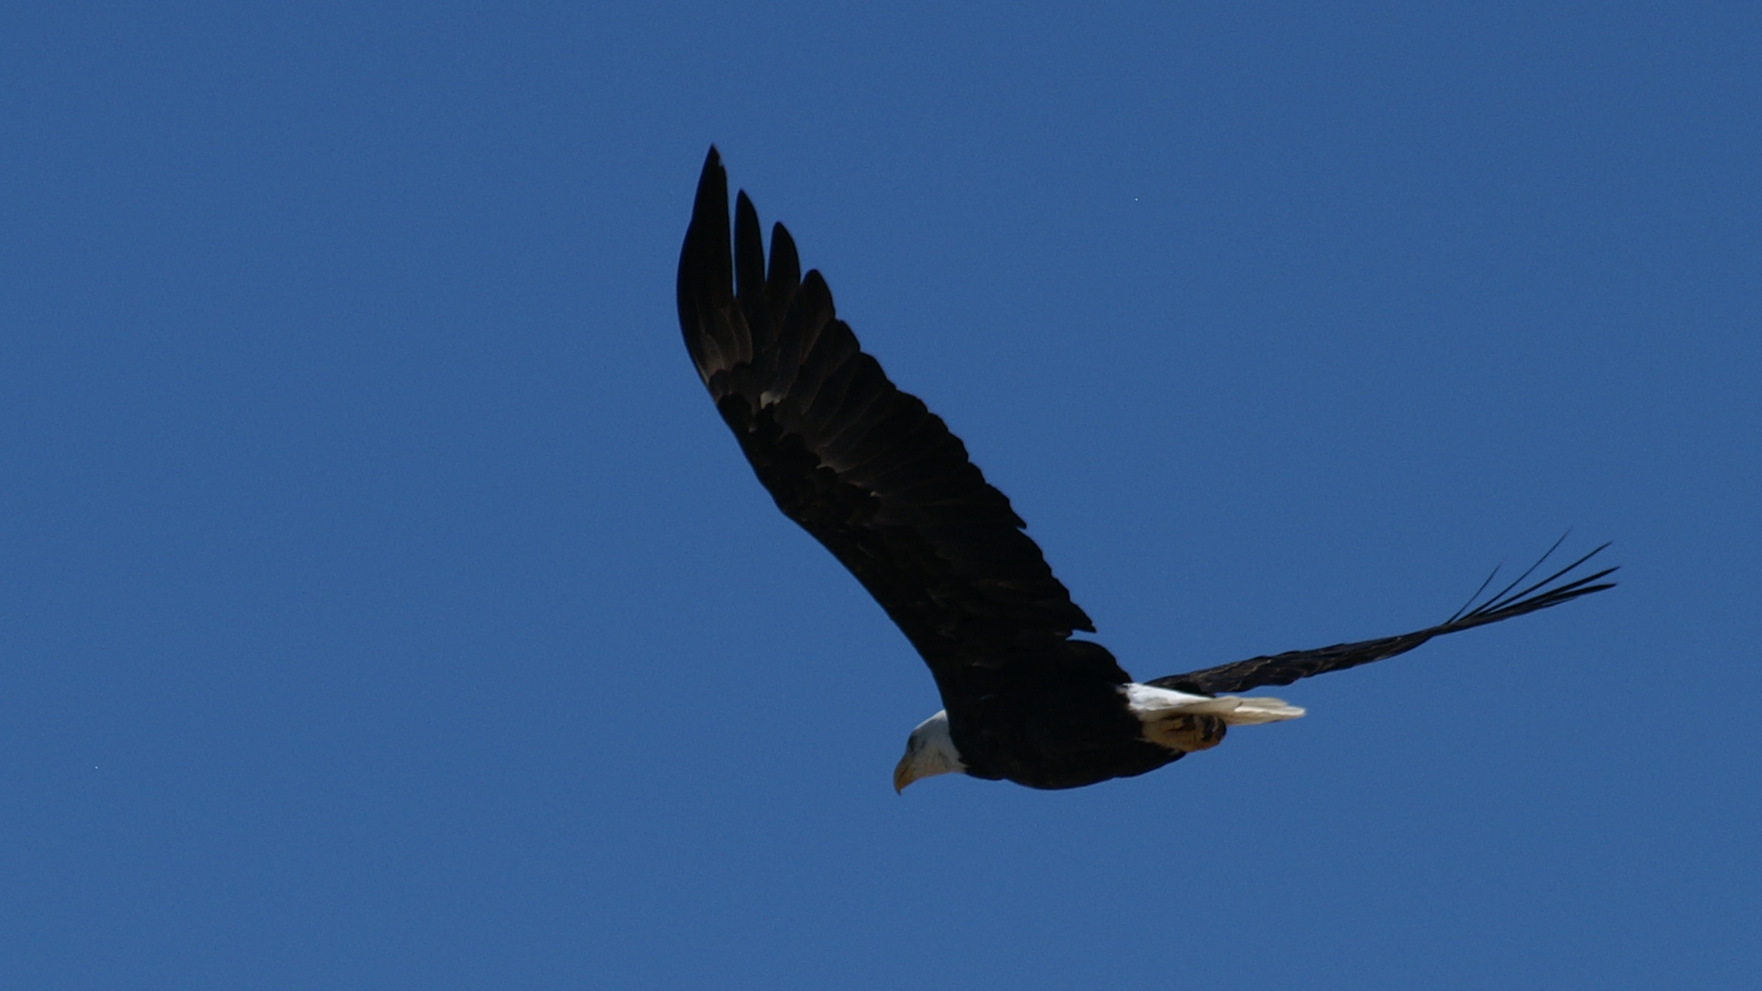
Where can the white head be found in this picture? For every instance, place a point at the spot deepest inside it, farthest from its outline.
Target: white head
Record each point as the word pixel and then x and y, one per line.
pixel 928 751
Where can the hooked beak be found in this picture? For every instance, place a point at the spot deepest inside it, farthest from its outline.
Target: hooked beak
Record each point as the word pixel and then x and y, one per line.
pixel 902 774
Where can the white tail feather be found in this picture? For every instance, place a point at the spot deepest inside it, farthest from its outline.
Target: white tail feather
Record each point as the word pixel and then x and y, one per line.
pixel 1148 703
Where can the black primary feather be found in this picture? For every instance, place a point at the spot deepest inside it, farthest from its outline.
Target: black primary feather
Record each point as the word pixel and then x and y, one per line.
pixel 1283 669
pixel 864 467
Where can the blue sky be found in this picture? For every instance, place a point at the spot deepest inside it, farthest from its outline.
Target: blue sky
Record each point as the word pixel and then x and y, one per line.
pixel 382 603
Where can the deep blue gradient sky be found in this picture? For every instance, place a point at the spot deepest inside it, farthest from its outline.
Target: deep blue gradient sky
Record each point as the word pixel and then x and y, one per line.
pixel 382 603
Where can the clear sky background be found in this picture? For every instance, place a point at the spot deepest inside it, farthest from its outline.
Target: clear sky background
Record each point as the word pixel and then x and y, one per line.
pixel 383 605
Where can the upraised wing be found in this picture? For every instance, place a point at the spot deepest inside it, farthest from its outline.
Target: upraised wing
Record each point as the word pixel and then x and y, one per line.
pixel 867 469
pixel 1282 669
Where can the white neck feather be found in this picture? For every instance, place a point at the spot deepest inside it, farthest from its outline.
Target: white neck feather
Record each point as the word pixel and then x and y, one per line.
pixel 928 752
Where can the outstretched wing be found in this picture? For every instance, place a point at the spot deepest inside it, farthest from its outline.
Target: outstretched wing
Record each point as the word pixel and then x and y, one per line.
pixel 864 467
pixel 1282 669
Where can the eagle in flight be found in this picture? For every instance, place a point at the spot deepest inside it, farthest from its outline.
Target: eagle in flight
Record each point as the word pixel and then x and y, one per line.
pixel 882 483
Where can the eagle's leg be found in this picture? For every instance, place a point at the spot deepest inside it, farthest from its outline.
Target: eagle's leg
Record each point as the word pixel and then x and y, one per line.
pixel 1186 732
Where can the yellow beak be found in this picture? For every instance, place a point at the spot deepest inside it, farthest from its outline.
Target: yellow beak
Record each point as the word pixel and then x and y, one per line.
pixel 902 774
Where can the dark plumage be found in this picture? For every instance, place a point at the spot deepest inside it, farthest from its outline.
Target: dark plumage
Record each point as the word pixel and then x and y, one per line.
pixel 882 483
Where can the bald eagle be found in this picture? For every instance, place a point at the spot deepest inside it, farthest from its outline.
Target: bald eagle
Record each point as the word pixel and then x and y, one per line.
pixel 882 483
